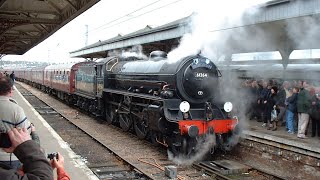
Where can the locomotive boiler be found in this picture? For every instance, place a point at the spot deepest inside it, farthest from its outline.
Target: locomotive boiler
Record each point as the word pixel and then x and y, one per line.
pixel 173 103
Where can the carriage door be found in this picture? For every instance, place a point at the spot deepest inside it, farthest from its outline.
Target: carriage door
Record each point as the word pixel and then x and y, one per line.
pixel 99 80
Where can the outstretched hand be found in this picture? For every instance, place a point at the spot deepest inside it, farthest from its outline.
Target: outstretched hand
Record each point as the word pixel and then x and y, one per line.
pixel 17 137
pixel 57 163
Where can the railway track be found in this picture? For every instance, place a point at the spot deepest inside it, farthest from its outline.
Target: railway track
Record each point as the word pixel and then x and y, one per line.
pixel 230 170
pixel 100 160
pixel 113 154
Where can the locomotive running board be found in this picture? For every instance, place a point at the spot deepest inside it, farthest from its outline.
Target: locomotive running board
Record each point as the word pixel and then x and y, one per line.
pixel 155 98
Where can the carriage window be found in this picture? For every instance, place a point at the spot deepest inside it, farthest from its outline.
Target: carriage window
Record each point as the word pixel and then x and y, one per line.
pixel 111 64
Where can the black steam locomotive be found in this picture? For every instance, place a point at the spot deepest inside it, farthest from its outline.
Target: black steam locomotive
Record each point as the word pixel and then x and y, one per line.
pixel 171 103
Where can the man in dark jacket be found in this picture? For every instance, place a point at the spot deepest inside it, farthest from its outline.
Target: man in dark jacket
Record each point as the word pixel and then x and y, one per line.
pixel 259 109
pixel 35 164
pixel 264 95
pixel 303 107
pixel 315 115
pixel 12 76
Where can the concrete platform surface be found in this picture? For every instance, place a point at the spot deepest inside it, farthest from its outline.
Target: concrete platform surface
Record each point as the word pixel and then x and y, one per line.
pixel 50 141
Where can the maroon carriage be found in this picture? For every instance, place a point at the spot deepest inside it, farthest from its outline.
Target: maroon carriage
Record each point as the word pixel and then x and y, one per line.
pixel 60 79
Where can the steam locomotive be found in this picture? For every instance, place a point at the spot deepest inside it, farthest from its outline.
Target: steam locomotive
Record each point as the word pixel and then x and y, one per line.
pixel 172 103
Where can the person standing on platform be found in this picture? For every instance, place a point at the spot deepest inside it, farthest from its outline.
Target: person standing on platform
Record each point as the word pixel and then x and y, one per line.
pixel 270 102
pixel 291 110
pixel 11 116
pixel 303 107
pixel 12 76
pixel 315 113
pixel 281 105
pixel 265 95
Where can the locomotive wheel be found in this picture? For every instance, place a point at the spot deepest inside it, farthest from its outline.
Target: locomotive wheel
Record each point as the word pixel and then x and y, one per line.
pixel 140 129
pixel 125 122
pixel 109 115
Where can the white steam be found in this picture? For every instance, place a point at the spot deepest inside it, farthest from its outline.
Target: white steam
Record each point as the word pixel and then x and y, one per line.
pixel 212 15
pixel 134 51
pixel 304 32
pixel 202 149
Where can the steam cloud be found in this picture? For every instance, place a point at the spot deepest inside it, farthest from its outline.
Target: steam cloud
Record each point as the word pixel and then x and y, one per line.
pixel 202 149
pixel 135 51
pixel 212 15
pixel 304 32
pixel 213 45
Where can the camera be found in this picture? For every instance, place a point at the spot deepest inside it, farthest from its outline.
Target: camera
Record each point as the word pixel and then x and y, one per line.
pixel 52 155
pixel 4 137
pixel 4 140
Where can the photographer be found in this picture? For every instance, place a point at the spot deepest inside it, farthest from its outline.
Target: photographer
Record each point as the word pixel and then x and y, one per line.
pixel 57 162
pixel 28 152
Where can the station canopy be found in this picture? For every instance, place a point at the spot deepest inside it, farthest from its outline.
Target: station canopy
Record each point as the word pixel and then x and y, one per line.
pixel 26 23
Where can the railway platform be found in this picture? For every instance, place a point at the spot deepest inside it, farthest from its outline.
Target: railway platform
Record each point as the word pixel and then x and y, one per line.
pixel 50 141
pixel 309 146
pixel 279 152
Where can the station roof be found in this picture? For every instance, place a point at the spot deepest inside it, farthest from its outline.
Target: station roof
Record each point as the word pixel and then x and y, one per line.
pixel 272 19
pixel 26 23
pixel 146 35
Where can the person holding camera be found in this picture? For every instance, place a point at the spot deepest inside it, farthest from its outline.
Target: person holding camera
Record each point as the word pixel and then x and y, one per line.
pixel 11 116
pixel 35 164
pixel 57 161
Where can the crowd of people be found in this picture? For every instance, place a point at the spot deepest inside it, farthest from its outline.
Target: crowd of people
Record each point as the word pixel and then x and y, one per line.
pixel 291 104
pixel 21 156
